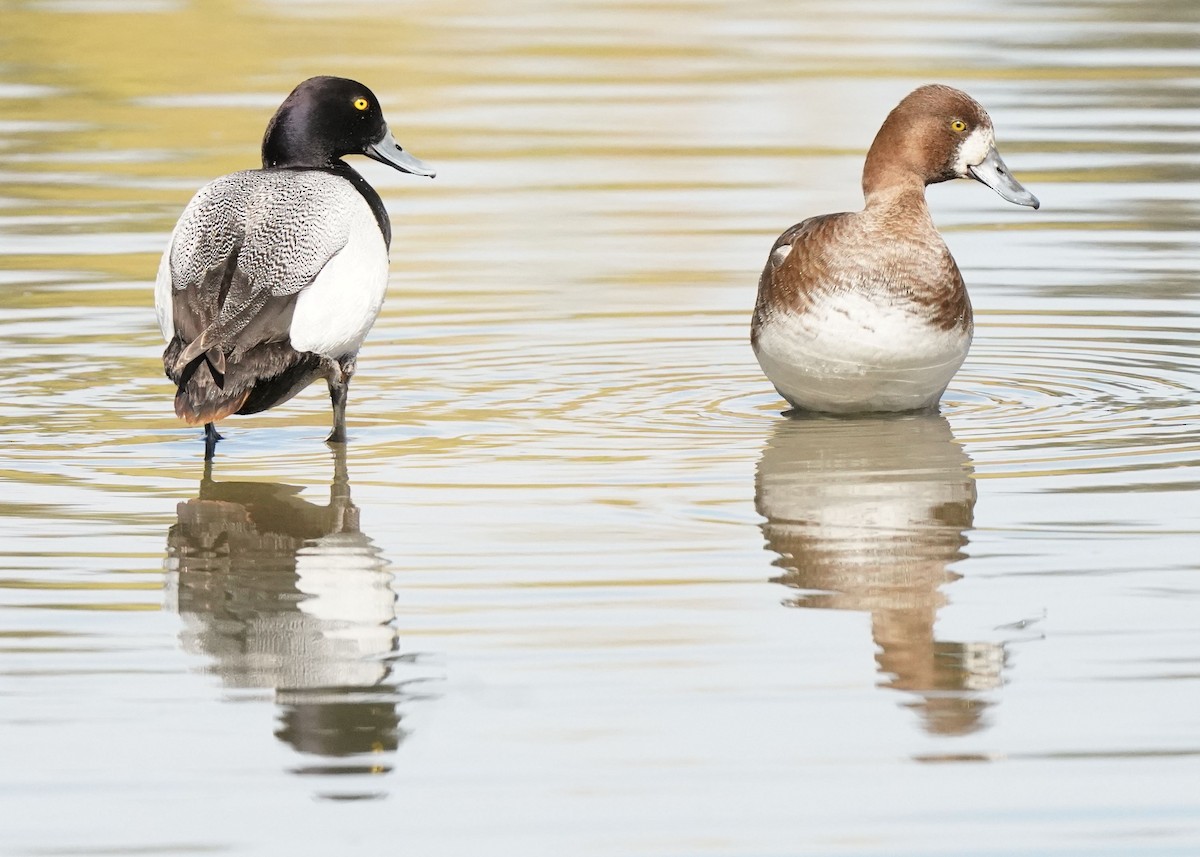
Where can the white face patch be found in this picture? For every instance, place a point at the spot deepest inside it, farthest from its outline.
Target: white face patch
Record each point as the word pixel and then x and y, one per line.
pixel 973 149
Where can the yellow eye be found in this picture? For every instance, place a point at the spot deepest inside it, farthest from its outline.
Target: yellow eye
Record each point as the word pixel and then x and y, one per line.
pixel 361 104
pixel 957 125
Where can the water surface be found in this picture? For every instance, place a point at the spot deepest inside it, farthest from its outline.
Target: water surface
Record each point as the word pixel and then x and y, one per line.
pixel 576 586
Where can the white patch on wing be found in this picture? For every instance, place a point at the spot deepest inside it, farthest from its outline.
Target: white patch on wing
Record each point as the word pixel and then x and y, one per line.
pixel 973 149
pixel 780 253
pixel 847 353
pixel 335 312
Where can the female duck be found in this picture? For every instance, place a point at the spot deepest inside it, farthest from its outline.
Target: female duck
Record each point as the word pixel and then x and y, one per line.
pixel 273 277
pixel 867 311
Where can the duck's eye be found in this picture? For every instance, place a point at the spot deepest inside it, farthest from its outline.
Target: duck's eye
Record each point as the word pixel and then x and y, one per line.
pixel 957 125
pixel 361 104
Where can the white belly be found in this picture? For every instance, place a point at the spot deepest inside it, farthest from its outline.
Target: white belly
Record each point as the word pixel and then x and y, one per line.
pixel 847 354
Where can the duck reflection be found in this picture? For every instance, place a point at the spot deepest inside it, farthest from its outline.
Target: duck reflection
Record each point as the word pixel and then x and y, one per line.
pixel 869 515
pixel 286 594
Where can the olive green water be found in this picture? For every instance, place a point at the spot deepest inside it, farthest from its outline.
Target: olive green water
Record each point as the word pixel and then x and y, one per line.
pixel 576 587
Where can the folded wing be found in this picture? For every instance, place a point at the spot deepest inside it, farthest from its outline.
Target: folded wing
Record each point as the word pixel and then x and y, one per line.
pixel 244 249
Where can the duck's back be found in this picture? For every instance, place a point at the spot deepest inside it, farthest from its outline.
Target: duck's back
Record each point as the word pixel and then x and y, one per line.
pixel 267 254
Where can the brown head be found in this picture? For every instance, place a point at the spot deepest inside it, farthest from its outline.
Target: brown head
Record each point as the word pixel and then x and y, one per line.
pixel 935 134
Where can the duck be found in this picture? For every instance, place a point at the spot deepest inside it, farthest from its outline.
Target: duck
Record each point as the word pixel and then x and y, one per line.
pixel 273 277
pixel 866 312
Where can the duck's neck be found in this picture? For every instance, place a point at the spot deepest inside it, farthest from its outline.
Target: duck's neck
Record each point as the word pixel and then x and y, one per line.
pixel 286 146
pixel 290 142
pixel 894 164
pixel 898 195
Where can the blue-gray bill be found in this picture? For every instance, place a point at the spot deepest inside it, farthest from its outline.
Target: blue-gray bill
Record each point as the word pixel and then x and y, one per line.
pixel 387 151
pixel 993 172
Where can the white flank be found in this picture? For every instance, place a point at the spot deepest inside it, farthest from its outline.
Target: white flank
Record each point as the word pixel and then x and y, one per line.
pixel 335 312
pixel 849 354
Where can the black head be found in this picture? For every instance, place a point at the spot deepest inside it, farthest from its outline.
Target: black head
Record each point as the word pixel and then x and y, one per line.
pixel 325 118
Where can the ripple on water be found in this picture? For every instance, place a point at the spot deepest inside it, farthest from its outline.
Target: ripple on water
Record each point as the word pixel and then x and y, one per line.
pixel 1038 395
pixel 579 386
pixel 1116 393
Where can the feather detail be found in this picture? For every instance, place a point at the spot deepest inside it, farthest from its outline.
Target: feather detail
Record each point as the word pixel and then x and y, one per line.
pixel 245 253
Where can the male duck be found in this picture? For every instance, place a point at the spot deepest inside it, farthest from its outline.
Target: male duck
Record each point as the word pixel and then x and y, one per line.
pixel 273 277
pixel 867 311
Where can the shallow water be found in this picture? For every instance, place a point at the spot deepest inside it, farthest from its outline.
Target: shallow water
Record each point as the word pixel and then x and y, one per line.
pixel 577 586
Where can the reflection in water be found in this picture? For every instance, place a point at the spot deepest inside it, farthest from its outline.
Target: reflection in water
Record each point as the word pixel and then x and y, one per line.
pixel 285 594
pixel 869 515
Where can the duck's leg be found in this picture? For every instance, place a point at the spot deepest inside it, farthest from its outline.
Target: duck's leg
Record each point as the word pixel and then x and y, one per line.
pixel 211 436
pixel 340 372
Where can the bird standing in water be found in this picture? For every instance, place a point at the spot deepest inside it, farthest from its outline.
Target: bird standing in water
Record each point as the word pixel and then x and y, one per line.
pixel 273 277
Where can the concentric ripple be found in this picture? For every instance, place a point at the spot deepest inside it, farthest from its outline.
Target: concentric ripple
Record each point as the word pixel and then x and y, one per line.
pixel 1039 394
pixel 1112 394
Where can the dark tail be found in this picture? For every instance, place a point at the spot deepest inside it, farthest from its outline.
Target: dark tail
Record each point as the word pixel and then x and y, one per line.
pixel 212 386
pixel 202 397
pixel 202 394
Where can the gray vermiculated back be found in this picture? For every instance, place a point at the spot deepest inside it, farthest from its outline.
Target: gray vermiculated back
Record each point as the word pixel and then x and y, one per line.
pixel 287 223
